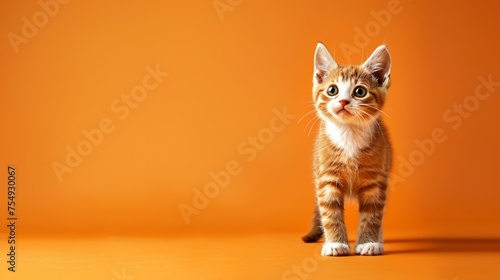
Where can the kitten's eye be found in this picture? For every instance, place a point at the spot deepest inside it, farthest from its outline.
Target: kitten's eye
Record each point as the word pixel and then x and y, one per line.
pixel 332 91
pixel 360 92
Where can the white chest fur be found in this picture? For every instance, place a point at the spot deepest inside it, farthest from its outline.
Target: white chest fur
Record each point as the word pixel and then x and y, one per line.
pixel 349 138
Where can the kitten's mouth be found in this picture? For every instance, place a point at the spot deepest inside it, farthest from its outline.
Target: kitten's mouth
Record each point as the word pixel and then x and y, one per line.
pixel 343 112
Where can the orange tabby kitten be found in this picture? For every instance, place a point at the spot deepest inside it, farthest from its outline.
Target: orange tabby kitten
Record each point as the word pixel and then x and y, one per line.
pixel 352 150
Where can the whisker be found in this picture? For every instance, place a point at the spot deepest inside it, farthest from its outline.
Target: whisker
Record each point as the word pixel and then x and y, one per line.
pixel 363 123
pixel 368 105
pixel 376 121
pixel 309 102
pixel 309 122
pixel 308 113
pixel 317 119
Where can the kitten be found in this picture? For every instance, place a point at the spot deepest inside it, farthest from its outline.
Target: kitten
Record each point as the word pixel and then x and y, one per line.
pixel 352 151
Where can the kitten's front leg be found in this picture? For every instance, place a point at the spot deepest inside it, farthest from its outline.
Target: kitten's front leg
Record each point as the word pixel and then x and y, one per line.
pixel 331 206
pixel 371 211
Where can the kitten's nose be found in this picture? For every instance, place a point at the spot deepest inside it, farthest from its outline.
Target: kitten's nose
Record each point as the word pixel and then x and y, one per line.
pixel 343 102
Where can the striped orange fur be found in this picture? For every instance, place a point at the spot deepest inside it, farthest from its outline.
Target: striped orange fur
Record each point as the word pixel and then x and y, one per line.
pixel 352 155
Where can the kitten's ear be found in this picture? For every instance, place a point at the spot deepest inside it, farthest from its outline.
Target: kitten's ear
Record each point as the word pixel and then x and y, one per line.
pixel 379 65
pixel 323 63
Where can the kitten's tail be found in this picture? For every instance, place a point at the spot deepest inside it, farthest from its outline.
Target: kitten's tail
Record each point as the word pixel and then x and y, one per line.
pixel 316 231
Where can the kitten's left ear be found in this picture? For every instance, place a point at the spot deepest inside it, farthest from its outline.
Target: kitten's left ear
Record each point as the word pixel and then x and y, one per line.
pixel 323 63
pixel 379 65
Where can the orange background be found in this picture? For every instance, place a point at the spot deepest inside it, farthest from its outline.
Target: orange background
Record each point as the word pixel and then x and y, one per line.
pixel 226 76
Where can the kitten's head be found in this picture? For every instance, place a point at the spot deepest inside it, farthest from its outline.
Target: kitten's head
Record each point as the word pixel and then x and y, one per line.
pixel 352 95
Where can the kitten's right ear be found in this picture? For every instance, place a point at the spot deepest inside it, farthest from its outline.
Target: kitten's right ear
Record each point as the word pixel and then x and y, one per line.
pixel 323 63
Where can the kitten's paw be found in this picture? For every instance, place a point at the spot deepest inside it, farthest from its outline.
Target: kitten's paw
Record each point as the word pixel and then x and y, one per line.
pixel 335 249
pixel 369 249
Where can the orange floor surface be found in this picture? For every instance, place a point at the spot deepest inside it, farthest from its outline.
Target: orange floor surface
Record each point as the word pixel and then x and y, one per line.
pixel 273 256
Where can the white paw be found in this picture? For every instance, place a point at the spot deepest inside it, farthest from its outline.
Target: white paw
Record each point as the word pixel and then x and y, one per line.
pixel 335 249
pixel 370 249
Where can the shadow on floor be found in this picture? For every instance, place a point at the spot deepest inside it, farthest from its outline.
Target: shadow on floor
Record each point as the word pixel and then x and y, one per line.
pixel 403 246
